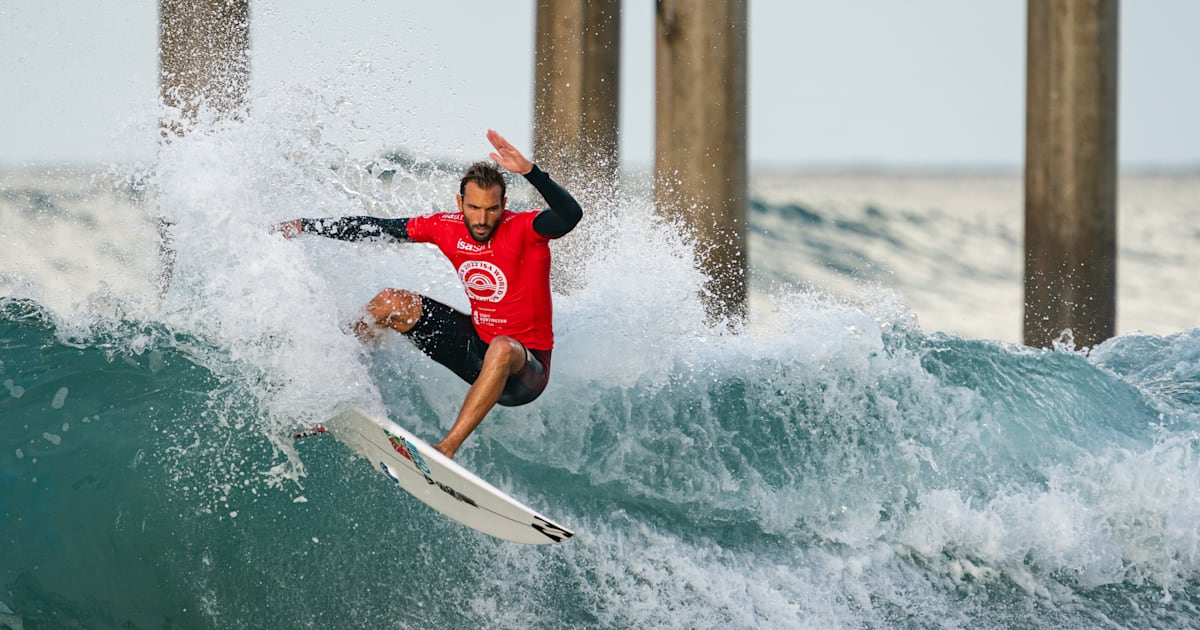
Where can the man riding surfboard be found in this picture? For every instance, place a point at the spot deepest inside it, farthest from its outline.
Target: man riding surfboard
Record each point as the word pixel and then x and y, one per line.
pixel 503 347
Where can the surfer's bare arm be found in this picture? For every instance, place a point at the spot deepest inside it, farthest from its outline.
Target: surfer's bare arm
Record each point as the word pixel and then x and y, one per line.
pixel 348 228
pixel 563 212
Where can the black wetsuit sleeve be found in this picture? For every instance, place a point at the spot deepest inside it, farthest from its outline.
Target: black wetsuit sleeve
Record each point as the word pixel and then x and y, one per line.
pixel 563 212
pixel 357 228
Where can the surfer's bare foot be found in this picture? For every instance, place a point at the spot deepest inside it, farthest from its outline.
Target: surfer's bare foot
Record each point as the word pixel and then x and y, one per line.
pixel 446 449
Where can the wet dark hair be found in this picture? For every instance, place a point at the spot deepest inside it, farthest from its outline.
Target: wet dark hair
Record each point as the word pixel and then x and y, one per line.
pixel 485 175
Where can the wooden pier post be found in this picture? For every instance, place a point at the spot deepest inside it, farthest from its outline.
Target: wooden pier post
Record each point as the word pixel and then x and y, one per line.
pixel 204 58
pixel 577 92
pixel 1071 171
pixel 700 139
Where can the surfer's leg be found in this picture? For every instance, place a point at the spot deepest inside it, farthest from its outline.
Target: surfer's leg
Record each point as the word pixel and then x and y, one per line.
pixel 505 356
pixel 390 308
pixel 525 386
pixel 447 336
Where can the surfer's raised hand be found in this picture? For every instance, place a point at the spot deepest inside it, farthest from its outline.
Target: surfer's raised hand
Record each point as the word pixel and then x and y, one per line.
pixel 289 229
pixel 507 155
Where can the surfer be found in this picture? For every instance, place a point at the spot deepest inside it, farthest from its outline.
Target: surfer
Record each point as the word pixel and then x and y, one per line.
pixel 503 347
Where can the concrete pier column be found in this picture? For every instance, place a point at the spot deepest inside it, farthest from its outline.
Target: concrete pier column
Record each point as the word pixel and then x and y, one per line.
pixel 700 163
pixel 203 59
pixel 203 48
pixel 1071 171
pixel 577 92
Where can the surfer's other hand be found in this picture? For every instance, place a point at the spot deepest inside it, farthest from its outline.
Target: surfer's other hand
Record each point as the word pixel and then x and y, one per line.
pixel 289 229
pixel 507 155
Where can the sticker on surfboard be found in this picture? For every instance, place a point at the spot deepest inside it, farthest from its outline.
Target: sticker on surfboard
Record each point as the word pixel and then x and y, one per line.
pixel 439 482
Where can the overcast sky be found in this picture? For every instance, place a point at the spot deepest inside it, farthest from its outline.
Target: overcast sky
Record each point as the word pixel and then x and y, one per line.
pixel 923 83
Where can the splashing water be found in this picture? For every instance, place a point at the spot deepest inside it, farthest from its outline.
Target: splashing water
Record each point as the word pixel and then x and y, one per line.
pixel 828 465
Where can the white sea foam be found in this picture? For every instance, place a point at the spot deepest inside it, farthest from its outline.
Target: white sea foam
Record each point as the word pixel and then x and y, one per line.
pixel 60 398
pixel 809 469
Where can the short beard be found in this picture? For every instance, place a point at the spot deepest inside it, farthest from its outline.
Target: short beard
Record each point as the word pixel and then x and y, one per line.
pixel 477 239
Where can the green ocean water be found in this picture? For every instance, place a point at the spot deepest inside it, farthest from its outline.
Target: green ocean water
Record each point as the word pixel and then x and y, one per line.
pixel 927 482
pixel 834 463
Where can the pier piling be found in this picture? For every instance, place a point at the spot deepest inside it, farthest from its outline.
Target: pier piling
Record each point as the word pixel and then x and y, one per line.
pixel 1071 171
pixel 700 139
pixel 204 54
pixel 577 92
pixel 203 61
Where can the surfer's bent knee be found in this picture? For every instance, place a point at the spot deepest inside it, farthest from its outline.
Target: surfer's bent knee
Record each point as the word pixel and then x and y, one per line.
pixel 515 353
pixel 529 382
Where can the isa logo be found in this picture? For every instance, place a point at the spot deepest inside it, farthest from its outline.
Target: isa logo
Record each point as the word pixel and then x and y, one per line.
pixel 407 451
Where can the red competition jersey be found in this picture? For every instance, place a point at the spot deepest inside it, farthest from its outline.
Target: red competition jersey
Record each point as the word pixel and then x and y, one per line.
pixel 507 279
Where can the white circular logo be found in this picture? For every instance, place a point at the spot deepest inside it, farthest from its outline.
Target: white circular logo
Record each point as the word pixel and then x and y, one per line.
pixel 483 280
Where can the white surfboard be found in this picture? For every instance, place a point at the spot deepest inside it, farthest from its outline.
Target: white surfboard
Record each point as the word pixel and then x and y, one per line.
pixel 440 483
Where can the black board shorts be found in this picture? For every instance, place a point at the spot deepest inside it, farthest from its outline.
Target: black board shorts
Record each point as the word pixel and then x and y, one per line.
pixel 447 336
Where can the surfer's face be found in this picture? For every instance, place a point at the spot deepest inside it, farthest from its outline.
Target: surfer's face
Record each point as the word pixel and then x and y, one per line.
pixel 481 208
